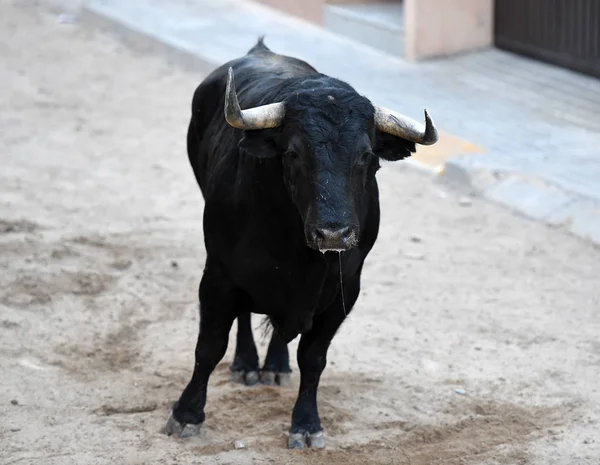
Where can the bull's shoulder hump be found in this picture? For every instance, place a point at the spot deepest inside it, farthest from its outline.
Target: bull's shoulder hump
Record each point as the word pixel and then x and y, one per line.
pixel 272 63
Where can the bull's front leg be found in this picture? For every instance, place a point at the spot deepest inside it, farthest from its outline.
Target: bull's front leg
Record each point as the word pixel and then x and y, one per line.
pixel 219 302
pixel 306 427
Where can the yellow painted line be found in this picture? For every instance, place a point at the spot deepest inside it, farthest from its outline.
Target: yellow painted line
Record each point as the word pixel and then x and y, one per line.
pixel 447 146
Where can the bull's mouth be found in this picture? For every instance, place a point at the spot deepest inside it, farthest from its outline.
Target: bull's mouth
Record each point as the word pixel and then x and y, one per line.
pixel 338 251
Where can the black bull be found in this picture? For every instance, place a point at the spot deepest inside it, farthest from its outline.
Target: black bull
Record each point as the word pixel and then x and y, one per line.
pixel 291 212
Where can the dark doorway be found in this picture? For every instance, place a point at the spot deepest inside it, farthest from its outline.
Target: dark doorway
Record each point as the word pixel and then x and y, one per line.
pixel 562 32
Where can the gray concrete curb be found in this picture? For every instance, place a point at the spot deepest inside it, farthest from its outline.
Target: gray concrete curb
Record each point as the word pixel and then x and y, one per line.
pixel 522 192
pixel 531 196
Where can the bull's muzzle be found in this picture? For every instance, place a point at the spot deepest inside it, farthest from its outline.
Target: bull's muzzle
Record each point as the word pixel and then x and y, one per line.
pixel 332 239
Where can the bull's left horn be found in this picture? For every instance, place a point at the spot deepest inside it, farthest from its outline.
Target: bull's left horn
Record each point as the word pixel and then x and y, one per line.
pixel 396 124
pixel 262 117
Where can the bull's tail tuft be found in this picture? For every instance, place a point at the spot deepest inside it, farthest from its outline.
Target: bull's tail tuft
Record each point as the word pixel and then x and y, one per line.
pixel 266 327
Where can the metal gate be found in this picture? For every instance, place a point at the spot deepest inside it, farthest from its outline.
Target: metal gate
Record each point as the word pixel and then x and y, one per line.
pixel 562 32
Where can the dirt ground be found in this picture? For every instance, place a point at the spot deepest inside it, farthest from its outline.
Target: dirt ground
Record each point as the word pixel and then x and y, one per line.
pixel 475 341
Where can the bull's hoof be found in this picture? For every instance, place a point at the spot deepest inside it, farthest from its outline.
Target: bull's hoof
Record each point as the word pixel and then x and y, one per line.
pixel 302 440
pixel 270 378
pixel 249 378
pixel 181 430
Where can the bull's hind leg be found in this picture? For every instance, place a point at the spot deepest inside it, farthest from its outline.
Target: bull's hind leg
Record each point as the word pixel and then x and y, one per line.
pixel 276 369
pixel 218 304
pixel 244 368
pixel 306 427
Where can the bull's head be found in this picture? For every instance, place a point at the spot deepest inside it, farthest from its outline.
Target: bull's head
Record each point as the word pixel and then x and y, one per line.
pixel 330 139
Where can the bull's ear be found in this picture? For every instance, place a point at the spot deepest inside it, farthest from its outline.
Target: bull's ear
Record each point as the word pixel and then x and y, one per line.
pixel 257 144
pixel 393 148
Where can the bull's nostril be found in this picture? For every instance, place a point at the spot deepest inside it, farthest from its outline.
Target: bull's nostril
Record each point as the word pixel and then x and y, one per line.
pixel 344 233
pixel 318 235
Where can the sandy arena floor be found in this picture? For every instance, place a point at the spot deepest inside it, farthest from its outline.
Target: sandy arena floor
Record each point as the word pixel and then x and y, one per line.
pixel 101 251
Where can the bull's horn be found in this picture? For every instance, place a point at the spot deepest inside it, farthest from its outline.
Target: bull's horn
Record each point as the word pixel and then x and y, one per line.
pixel 402 126
pixel 262 117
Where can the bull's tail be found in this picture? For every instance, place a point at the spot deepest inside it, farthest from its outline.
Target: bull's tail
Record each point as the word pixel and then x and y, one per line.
pixel 260 47
pixel 266 327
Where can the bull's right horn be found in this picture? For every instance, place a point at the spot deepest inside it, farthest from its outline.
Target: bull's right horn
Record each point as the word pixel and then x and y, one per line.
pixel 396 124
pixel 262 117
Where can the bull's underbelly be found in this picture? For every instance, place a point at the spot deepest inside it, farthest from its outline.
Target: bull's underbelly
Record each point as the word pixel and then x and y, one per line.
pixel 290 291
pixel 281 286
pixel 290 305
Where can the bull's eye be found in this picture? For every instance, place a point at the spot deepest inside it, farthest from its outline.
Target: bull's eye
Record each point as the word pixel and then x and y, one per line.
pixel 292 154
pixel 365 157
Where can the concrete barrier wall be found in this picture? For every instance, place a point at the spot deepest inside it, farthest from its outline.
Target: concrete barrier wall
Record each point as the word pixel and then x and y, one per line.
pixel 432 27
pixel 311 10
pixel 442 27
